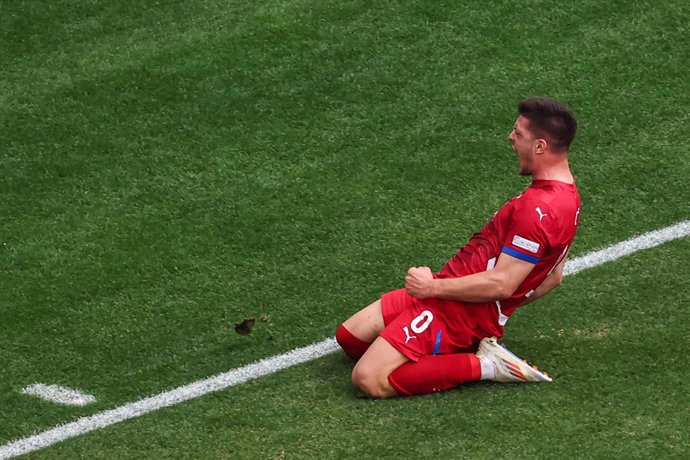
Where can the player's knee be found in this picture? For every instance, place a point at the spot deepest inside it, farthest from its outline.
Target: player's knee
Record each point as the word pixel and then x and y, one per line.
pixel 371 382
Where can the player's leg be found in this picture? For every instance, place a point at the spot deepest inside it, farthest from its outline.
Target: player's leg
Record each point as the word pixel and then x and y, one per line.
pixel 371 372
pixel 435 373
pixel 402 361
pixel 367 323
pixel 442 372
pixel 384 372
pixel 417 353
pixel 413 355
pixel 357 333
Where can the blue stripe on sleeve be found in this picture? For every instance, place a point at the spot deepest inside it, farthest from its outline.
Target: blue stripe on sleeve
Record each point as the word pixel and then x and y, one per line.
pixel 519 255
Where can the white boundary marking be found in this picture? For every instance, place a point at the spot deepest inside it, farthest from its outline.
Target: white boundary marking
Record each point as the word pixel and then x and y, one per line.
pixel 627 247
pixel 59 394
pixel 276 363
pixel 169 398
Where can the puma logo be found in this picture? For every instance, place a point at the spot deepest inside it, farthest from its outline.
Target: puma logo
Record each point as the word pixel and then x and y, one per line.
pixel 407 334
pixel 541 215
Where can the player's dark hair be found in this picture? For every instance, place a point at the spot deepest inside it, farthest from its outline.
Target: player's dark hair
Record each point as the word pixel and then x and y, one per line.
pixel 551 120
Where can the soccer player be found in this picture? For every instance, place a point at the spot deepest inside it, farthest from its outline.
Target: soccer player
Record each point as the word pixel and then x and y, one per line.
pixel 440 330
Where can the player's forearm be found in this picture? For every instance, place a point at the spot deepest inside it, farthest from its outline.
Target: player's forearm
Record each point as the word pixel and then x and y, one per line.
pixel 497 284
pixel 478 287
pixel 549 284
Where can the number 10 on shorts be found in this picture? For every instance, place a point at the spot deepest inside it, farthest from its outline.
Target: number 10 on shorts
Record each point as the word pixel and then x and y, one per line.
pixel 418 325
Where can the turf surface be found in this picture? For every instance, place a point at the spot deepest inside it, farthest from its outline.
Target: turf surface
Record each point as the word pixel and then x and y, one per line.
pixel 172 168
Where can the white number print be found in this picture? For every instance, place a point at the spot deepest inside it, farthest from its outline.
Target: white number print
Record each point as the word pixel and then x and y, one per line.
pixel 418 325
pixel 421 322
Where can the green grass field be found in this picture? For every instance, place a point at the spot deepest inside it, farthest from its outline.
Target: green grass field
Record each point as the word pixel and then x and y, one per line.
pixel 171 168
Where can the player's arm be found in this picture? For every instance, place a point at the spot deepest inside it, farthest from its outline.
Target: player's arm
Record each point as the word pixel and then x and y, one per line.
pixel 552 281
pixel 497 284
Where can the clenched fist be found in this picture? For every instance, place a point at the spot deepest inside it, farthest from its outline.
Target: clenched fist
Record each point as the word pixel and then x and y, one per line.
pixel 419 282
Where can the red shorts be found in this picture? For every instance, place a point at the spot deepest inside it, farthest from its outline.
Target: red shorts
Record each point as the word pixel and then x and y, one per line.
pixel 419 328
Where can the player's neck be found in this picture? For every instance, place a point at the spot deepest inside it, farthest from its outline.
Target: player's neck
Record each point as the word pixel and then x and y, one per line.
pixel 558 170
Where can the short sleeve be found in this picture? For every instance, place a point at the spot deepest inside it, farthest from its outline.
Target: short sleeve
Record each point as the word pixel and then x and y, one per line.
pixel 526 237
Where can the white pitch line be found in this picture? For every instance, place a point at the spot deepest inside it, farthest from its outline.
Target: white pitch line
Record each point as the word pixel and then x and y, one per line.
pixel 59 394
pixel 169 398
pixel 627 247
pixel 276 363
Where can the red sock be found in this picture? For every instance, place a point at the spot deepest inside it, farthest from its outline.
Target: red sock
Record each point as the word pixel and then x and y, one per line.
pixel 435 373
pixel 351 345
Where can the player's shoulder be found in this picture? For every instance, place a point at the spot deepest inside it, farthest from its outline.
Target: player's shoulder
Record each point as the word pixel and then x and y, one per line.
pixel 555 211
pixel 548 198
pixel 552 194
pixel 531 209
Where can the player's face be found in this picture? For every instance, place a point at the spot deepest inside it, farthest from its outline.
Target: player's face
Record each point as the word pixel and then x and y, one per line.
pixel 524 144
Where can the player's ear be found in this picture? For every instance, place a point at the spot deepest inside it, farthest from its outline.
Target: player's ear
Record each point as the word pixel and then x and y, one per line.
pixel 540 146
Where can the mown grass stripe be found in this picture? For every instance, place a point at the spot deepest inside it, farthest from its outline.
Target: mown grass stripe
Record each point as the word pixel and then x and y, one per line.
pixel 300 355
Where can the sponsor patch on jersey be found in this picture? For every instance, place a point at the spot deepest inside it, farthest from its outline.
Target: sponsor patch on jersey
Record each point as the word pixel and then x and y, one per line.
pixel 525 244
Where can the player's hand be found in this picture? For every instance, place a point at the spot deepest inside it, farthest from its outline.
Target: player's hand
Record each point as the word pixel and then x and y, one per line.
pixel 419 282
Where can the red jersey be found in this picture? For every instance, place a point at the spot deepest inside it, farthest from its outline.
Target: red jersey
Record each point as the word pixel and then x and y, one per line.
pixel 537 226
